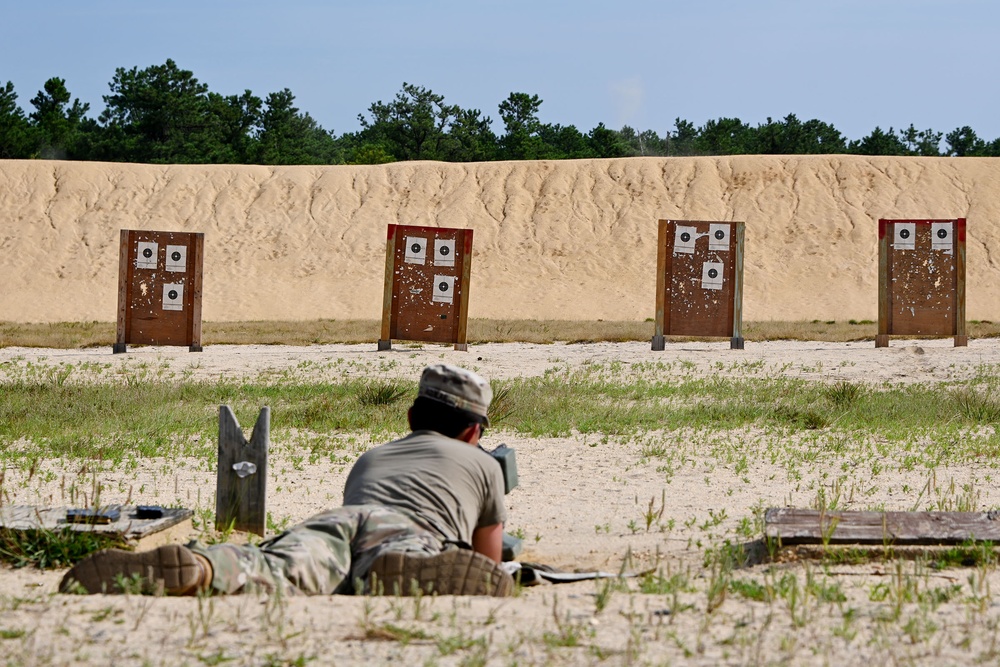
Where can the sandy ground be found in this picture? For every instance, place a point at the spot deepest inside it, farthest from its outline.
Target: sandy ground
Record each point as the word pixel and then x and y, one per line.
pixel 584 502
pixel 573 239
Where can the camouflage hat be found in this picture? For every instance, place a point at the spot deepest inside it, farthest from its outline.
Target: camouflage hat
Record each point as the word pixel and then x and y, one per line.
pixel 458 388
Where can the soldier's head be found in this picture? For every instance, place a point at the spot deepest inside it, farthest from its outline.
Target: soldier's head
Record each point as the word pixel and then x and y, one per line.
pixel 451 401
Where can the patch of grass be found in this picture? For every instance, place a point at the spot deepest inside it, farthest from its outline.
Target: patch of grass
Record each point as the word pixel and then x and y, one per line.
pixel 480 330
pixel 47 549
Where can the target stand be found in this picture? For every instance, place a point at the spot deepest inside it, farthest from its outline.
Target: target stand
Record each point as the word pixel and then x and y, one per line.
pixel 159 289
pixel 699 281
pixel 426 297
pixel 921 279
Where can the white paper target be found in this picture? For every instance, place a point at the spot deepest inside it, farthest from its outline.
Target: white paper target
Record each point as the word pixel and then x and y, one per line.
pixel 173 296
pixel 718 237
pixel 444 289
pixel 416 250
pixel 177 258
pixel 941 233
pixel 711 275
pixel 684 238
pixel 145 255
pixel 444 252
pixel 904 235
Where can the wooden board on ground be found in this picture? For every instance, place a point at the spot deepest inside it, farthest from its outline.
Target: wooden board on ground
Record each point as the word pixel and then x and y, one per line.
pixel 801 526
pixel 128 526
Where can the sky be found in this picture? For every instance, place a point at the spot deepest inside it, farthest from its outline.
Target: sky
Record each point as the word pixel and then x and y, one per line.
pixel 856 64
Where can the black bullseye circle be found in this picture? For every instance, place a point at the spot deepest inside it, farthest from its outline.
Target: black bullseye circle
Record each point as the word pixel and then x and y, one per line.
pixel 147 253
pixel 942 233
pixel 415 247
pixel 904 233
pixel 712 273
pixel 719 234
pixel 445 250
pixel 172 294
pixel 443 286
pixel 685 237
pixel 176 256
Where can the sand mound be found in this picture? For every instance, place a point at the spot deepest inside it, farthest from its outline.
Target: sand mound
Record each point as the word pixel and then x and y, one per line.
pixel 569 239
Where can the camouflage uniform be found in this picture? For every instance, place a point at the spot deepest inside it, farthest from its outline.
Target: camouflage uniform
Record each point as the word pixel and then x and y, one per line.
pixel 324 555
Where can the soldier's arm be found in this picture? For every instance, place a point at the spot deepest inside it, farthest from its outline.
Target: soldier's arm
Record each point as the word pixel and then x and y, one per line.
pixel 488 540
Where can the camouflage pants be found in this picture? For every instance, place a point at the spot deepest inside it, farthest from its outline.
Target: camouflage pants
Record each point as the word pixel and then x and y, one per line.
pixel 323 555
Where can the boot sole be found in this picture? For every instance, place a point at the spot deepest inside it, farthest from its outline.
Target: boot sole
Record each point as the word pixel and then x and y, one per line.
pixel 453 572
pixel 171 569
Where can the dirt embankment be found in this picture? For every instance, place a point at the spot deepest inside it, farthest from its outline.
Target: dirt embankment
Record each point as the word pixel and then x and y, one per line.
pixel 571 239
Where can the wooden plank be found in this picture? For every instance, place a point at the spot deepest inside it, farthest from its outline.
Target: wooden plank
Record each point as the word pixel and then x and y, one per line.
pixel 241 488
pixel 882 339
pixel 121 338
pixel 961 338
pixel 662 309
pixel 385 339
pixel 462 325
pixel 736 315
pixel 801 526
pixel 197 258
pixel 128 525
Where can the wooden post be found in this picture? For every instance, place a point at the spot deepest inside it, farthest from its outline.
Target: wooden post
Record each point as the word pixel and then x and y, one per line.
pixel 661 312
pixel 385 340
pixel 241 490
pixel 461 332
pixel 884 311
pixel 736 342
pixel 961 337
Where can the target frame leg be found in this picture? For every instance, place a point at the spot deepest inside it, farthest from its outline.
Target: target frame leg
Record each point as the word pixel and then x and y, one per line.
pixel 736 343
pixel 961 341
pixel 119 348
pixel 385 344
pixel 659 343
pixel 461 347
pixel 882 340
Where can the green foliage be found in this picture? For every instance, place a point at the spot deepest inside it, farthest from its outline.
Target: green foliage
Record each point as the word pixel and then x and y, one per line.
pixel 48 549
pixel 164 114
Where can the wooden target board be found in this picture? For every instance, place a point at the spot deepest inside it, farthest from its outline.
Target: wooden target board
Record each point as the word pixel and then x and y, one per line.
pixel 426 296
pixel 699 280
pixel 159 289
pixel 921 279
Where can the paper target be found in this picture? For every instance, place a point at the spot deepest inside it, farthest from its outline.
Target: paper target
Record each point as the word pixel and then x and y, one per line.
pixel 177 258
pixel 173 296
pixel 904 235
pixel 146 254
pixel 684 238
pixel 718 237
pixel 416 250
pixel 444 252
pixel 711 275
pixel 444 289
pixel 941 236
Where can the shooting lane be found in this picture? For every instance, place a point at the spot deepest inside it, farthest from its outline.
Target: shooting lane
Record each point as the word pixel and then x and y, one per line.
pixel 921 279
pixel 699 281
pixel 427 274
pixel 159 289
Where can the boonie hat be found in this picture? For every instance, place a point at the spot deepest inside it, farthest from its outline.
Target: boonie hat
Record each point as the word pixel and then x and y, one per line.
pixel 458 388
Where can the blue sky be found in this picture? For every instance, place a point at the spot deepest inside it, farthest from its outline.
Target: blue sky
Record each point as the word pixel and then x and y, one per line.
pixel 853 63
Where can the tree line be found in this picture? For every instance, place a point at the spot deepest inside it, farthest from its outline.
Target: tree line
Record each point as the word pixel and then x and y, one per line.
pixel 163 115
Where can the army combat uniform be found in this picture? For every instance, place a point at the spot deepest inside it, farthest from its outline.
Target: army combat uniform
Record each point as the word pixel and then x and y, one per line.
pixel 421 494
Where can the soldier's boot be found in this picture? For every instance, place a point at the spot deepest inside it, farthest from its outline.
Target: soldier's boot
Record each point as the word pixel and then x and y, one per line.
pixel 171 570
pixel 452 572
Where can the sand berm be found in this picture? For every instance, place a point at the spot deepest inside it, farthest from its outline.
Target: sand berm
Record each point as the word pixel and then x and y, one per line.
pixel 553 239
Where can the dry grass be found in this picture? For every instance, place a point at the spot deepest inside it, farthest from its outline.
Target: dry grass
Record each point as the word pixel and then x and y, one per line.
pixel 67 335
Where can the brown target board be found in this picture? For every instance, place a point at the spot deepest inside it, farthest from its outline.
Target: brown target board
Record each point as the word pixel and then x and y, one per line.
pixel 699 280
pixel 426 296
pixel 159 289
pixel 921 279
